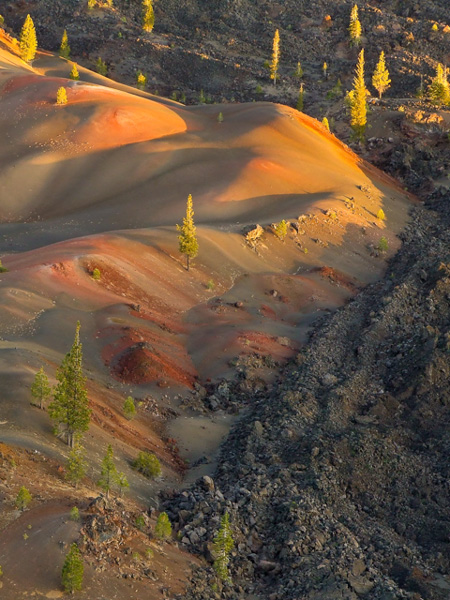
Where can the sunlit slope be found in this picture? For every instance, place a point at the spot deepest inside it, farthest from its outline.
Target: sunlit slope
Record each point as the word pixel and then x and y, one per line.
pixel 117 159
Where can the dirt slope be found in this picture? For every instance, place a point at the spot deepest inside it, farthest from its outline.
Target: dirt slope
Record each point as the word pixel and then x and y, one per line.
pixel 100 183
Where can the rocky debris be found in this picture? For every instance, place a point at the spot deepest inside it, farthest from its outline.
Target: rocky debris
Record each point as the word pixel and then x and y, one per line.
pixel 337 480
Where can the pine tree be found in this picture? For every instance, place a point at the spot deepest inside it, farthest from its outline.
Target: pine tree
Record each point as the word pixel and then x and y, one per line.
pixel 358 97
pixel 109 475
pixel 301 96
pixel 148 21
pixel 275 57
pixel 188 243
pixel 222 546
pixel 129 408
pixel 23 498
pixel 298 71
pixel 101 67
pixel 326 124
pixel 122 482
pixel 74 75
pixel 141 80
pixel 40 389
pixel 70 407
pixel 64 49
pixel 28 40
pixel 61 96
pixel 76 465
pixel 439 89
pixel 380 79
pixel 73 570
pixel 163 527
pixel 354 27
pixel 280 229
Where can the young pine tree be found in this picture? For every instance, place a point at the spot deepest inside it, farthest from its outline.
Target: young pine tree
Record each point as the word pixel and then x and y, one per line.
pixel 40 390
pixel 23 498
pixel 275 57
pixel 298 71
pixel 326 124
pixel 101 67
pixel 73 570
pixel 354 28
pixel 222 546
pixel 70 407
pixel 64 49
pixel 358 97
pixel 148 19
pixel 122 482
pixel 61 96
pixel 129 408
pixel 76 465
pixel 28 40
pixel 380 79
pixel 163 527
pixel 301 98
pixel 188 243
pixel 439 89
pixel 74 75
pixel 109 475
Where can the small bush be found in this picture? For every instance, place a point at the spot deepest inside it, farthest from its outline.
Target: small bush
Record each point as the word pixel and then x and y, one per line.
pixel 220 118
pixel 210 285
pixel 380 215
pixel 149 554
pixel 435 27
pixel 61 96
pixel 163 527
pixel 141 80
pixel 140 523
pixel 101 67
pixel 74 75
pixel 1 572
pixel 147 464
pixel 96 274
pixel 383 245
pixel 280 229
pixel 2 19
pixel 23 498
pixel 129 408
pixel 258 89
pixel 2 268
pixel 74 514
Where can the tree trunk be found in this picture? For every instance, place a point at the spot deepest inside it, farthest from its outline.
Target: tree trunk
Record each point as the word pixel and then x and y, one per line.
pixel 187 261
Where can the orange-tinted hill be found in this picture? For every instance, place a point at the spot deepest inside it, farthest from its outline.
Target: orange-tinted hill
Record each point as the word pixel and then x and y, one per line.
pixel 100 183
pixel 117 158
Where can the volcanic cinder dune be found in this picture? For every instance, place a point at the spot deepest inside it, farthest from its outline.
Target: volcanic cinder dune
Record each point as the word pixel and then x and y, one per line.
pixel 101 183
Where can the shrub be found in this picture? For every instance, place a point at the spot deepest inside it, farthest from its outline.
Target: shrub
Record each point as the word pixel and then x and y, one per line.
pixel 163 527
pixel 147 464
pixel 2 19
pixel 74 514
pixel 72 571
pixel 280 229
pixel 129 408
pixel 220 118
pixel 101 67
pixel 380 215
pixel 23 498
pixel 149 553
pixel 61 96
pixel 96 274
pixel 74 75
pixel 383 245
pixel 140 523
pixel 210 285
pixel 141 80
pixel 2 268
